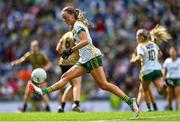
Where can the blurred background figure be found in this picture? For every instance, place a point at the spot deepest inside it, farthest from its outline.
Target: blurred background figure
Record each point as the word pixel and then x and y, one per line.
pixel 37 60
pixel 172 77
pixel 115 25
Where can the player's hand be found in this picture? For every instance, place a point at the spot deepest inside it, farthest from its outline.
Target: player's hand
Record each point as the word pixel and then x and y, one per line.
pixel 66 53
pixel 132 58
pixel 13 63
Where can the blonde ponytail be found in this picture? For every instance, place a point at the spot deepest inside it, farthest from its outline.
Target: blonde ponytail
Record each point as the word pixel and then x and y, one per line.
pixel 78 14
pixel 159 34
pixel 80 17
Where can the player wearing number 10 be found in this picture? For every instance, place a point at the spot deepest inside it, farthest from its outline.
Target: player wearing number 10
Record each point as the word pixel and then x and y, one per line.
pixel 148 53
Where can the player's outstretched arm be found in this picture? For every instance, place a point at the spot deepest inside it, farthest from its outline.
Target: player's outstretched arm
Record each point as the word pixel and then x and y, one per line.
pixel 18 61
pixel 21 60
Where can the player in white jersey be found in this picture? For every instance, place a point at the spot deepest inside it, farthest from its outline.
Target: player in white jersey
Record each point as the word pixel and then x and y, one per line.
pixel 90 59
pixel 171 70
pixel 141 95
pixel 148 54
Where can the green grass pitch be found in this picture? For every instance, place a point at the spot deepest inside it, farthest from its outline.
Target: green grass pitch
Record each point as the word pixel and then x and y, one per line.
pixel 92 117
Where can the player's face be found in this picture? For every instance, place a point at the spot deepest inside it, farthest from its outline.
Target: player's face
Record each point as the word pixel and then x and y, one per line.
pixel 138 38
pixel 172 52
pixel 35 48
pixel 68 18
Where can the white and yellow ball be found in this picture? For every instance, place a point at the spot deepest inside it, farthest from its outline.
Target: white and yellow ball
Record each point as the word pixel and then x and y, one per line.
pixel 38 75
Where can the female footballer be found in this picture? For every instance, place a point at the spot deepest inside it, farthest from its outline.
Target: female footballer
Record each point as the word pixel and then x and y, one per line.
pixel 67 42
pixel 90 59
pixel 148 54
pixel 37 60
pixel 141 95
pixel 171 70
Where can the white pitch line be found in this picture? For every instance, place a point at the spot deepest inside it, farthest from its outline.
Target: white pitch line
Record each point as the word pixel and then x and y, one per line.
pixel 172 115
pixel 136 119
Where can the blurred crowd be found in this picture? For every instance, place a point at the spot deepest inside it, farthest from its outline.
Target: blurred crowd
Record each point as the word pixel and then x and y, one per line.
pixel 115 25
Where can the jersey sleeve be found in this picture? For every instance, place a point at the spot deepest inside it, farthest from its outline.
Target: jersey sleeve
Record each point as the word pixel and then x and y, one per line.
pixel 27 56
pixel 140 50
pixel 45 59
pixel 79 27
pixel 165 64
pixel 156 47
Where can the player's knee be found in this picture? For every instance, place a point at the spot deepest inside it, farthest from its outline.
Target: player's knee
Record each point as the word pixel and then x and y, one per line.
pixel 104 86
pixel 161 91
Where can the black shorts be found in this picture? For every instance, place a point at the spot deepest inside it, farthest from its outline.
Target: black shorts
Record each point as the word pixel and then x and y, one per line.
pixel 65 68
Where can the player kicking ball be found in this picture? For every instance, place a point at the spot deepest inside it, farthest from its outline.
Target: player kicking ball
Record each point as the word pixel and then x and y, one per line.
pixel 90 59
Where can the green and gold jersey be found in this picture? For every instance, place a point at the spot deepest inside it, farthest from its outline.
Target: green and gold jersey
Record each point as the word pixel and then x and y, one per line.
pixel 89 51
pixel 67 42
pixel 36 60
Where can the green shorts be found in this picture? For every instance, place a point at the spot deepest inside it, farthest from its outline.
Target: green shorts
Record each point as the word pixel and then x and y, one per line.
pixel 152 76
pixel 173 82
pixel 92 64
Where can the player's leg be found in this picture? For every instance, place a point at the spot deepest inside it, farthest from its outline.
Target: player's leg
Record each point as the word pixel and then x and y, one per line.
pixel 140 94
pixel 26 97
pixel 147 79
pixel 76 83
pixel 75 71
pixel 99 75
pixel 72 73
pixel 46 101
pixel 159 82
pixel 148 100
pixel 67 93
pixel 145 85
pixel 153 100
pixel 177 94
pixel 170 91
pixel 45 97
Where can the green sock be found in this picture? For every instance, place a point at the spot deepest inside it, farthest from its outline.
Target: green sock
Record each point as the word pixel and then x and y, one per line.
pixel 47 90
pixel 128 100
